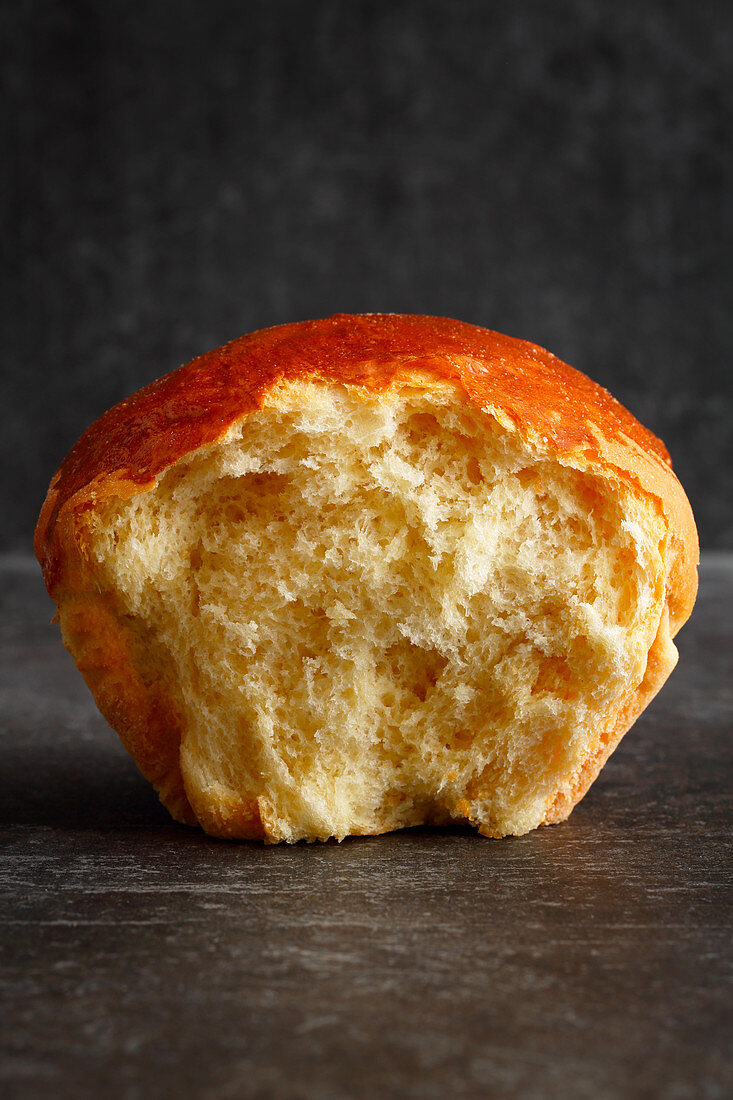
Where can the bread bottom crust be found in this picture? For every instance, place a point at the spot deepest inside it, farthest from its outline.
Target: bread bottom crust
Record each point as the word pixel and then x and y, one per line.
pixel 150 727
pixel 661 661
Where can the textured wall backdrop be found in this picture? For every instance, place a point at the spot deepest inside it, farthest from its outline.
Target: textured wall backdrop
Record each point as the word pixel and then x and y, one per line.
pixel 178 173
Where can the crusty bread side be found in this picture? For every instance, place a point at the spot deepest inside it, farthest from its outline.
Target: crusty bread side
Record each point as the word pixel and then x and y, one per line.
pixel 518 388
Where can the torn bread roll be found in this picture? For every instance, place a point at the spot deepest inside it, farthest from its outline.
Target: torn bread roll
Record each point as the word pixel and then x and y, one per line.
pixel 349 575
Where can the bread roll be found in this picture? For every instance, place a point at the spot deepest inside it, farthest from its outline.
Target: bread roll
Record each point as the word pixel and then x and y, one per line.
pixel 349 575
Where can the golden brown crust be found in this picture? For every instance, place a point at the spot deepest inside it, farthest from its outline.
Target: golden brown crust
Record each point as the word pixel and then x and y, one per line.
pixel 136 707
pixel 551 406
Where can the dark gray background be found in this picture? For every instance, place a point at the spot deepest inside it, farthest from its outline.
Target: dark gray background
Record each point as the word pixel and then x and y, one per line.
pixel 176 174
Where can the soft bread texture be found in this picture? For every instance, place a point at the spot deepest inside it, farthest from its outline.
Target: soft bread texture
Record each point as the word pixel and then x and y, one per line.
pixel 356 574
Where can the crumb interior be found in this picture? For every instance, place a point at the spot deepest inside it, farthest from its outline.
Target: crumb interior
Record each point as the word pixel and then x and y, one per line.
pixel 376 610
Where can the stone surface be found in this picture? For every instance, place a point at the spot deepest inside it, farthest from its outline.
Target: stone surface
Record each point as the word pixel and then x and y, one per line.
pixel 142 959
